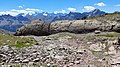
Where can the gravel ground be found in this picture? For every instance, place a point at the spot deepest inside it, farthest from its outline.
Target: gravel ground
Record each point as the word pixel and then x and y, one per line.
pixel 65 50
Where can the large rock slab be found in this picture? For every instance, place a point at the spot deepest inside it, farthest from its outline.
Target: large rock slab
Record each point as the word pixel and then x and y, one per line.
pixel 74 26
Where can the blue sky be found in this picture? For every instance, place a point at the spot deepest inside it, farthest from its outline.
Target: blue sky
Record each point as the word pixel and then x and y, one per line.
pixel 59 5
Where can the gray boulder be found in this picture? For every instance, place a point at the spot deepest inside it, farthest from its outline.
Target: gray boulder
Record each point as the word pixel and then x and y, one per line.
pixel 35 28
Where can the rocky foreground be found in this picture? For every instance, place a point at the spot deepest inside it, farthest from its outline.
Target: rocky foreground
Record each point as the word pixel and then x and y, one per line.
pixel 65 50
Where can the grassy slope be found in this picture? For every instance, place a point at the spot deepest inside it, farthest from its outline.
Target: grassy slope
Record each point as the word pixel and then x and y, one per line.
pixel 110 17
pixel 110 34
pixel 16 41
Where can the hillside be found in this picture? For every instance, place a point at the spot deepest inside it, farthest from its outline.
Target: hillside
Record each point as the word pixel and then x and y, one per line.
pixel 12 23
pixel 2 31
pixel 108 17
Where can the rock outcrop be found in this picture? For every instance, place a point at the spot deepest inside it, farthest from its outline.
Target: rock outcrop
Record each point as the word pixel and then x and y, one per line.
pixel 35 28
pixel 75 26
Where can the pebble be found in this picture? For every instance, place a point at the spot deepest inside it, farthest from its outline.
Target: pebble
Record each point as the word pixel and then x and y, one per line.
pixel 71 64
pixel 48 65
pixel 77 62
pixel 25 61
pixel 31 63
pixel 36 60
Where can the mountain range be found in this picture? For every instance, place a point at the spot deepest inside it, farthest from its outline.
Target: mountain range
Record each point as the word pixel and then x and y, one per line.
pixel 12 23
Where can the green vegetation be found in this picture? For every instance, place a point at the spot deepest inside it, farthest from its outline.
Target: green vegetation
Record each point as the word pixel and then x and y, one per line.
pixel 55 66
pixel 16 41
pixel 109 34
pixel 64 35
pixel 89 38
pixel 37 65
pixel 17 65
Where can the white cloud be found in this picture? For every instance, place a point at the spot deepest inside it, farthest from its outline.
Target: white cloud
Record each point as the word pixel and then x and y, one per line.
pixel 15 12
pixel 29 9
pixel 20 6
pixel 101 4
pixel 45 14
pixel 72 9
pixel 89 8
pixel 61 11
pixel 118 5
pixel 9 12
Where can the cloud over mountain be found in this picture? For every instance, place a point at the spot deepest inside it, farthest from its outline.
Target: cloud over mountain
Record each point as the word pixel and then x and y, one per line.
pixel 89 8
pixel 61 11
pixel 20 6
pixel 15 12
pixel 101 4
pixel 72 9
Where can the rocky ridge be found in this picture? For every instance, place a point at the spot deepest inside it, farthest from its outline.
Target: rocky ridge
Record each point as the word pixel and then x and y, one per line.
pixel 76 26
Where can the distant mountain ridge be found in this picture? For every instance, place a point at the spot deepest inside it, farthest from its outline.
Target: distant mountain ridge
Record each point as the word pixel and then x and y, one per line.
pixel 12 23
pixel 77 15
pixel 44 16
pixel 50 17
